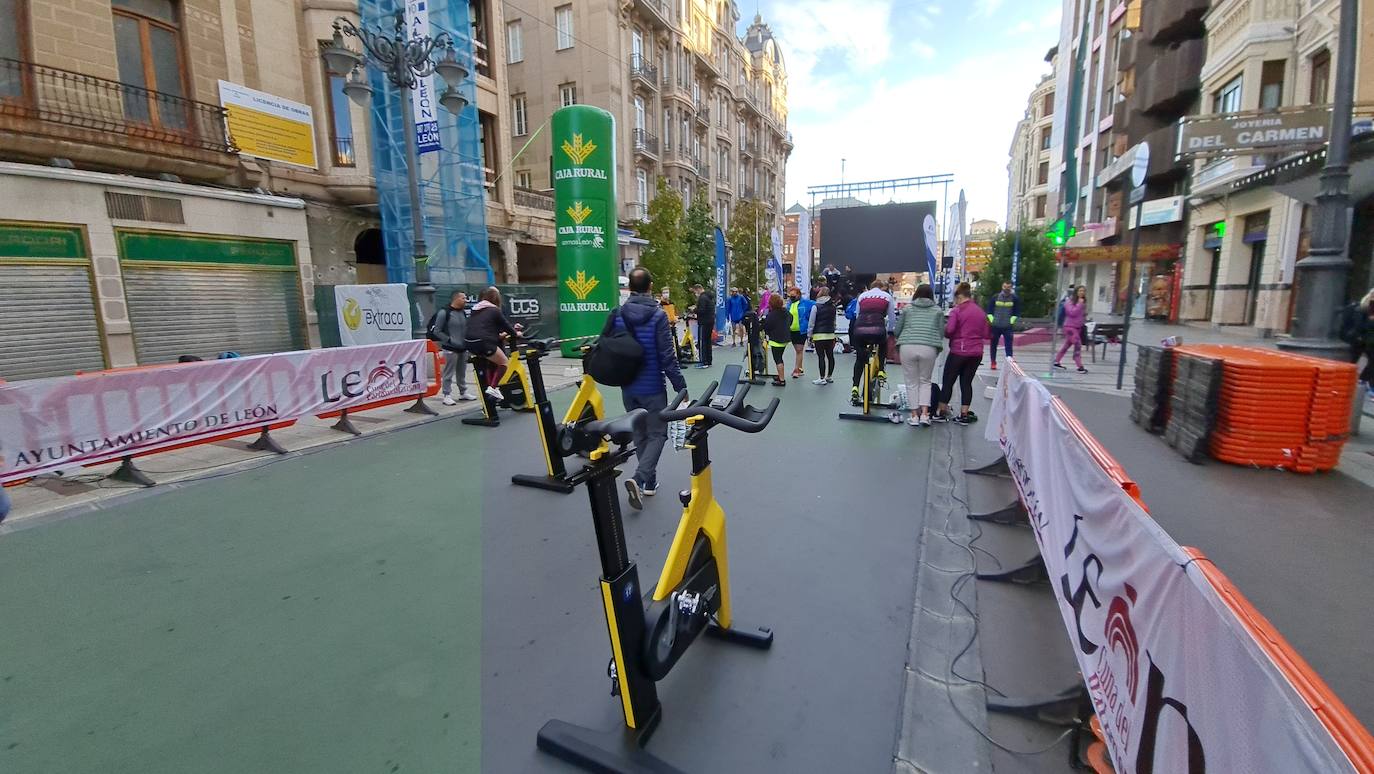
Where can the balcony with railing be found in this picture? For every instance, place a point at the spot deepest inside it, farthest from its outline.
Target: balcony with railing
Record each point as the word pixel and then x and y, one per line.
pixel 644 71
pixel 746 192
pixel 657 12
pixel 343 152
pixel 645 143
pixel 703 115
pixel 47 112
pixel 787 144
pixel 748 147
pixel 535 200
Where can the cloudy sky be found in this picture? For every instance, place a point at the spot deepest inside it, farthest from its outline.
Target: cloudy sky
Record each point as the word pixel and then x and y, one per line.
pixel 901 88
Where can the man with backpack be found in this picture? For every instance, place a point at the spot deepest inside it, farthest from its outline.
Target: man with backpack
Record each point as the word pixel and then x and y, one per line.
pixel 449 328
pixel 641 383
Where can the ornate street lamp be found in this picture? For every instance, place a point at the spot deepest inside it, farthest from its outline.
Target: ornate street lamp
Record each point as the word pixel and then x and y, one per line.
pixel 405 60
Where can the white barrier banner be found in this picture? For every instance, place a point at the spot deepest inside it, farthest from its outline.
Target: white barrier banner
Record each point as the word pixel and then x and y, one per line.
pixel 1177 682
pixel 372 314
pixel 54 424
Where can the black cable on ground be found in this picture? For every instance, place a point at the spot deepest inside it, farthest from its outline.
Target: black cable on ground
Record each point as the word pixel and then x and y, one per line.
pixel 954 595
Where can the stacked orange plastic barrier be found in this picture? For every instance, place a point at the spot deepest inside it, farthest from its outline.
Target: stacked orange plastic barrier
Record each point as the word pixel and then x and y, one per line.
pixel 1279 410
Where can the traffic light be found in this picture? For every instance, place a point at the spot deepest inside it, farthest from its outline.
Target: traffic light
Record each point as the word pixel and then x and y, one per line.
pixel 1060 232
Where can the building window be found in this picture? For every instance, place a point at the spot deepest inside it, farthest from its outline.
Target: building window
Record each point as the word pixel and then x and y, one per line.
pixel 12 46
pixel 667 129
pixel 639 114
pixel 523 179
pixel 1047 105
pixel 148 49
pixel 567 94
pixel 1042 177
pixel 519 118
pixel 515 42
pixel 1045 137
pixel 1039 206
pixel 1227 98
pixel 563 26
pixel 340 121
pixel 1271 84
pixel 1321 77
pixel 642 186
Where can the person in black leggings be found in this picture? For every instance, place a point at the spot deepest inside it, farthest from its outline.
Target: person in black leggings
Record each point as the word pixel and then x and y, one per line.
pixel 821 329
pixel 966 327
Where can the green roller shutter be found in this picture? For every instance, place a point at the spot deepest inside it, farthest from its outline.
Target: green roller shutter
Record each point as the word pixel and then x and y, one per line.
pixel 48 326
pixel 199 295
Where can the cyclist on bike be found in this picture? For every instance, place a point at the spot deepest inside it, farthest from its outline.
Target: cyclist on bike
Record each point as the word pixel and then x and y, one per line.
pixel 873 318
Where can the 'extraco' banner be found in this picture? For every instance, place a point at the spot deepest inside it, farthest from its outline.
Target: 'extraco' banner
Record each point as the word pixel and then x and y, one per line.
pixel 1178 683
pixel 372 314
pixel 55 424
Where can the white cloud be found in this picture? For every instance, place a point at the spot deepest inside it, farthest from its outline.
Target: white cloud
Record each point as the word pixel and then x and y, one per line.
pixel 922 125
pixel 857 29
pixel 922 49
pixel 986 8
pixel 1024 27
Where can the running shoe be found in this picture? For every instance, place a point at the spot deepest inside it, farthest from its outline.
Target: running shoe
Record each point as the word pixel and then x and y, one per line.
pixel 1060 367
pixel 961 420
pixel 940 418
pixel 779 382
pixel 994 365
pixel 1082 370
pixel 465 395
pixel 635 494
pixel 494 394
pixel 854 396
pixel 449 401
pixel 925 420
pixel 913 421
pixel 818 381
pixel 971 417
pixel 895 417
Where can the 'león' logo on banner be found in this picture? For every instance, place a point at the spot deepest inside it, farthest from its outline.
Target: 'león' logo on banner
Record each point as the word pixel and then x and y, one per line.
pixel 352 314
pixel 577 150
pixel 579 212
pixel 581 285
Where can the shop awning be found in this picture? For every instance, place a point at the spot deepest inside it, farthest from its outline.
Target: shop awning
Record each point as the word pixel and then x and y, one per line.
pixel 1116 253
pixel 1299 177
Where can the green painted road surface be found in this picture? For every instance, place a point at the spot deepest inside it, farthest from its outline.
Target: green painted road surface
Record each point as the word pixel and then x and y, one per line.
pixel 315 615
pixel 374 606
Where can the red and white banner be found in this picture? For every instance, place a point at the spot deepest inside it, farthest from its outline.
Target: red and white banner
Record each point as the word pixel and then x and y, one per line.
pixel 53 424
pixel 1178 682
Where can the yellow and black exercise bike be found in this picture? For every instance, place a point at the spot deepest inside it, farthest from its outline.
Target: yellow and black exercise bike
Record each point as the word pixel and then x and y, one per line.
pixel 557 440
pixel 514 385
pixel 871 390
pixel 649 633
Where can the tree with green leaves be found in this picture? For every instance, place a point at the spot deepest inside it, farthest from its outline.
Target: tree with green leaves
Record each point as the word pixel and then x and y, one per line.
pixel 699 242
pixel 1035 274
pixel 663 231
pixel 751 246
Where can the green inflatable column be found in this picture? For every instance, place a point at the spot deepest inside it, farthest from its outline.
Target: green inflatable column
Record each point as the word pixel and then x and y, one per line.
pixel 585 217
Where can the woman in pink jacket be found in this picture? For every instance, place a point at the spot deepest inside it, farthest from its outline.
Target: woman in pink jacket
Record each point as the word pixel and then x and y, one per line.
pixel 967 331
pixel 1074 324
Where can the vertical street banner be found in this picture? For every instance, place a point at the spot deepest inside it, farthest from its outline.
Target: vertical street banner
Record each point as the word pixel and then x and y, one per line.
pixel 932 263
pixel 722 280
pixel 584 219
pixel 802 262
pixel 423 101
pixel 372 314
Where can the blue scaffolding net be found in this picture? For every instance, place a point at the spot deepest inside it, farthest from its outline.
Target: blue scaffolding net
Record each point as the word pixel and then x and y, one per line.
pixel 451 178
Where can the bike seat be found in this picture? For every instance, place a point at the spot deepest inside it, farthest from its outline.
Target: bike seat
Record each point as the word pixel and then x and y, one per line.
pixel 541 345
pixel 621 429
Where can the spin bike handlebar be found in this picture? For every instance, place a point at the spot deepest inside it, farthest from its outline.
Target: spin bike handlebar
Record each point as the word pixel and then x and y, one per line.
pixel 736 416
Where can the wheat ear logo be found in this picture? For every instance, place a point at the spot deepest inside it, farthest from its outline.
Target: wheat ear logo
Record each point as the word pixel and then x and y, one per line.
pixel 581 285
pixel 577 150
pixel 578 212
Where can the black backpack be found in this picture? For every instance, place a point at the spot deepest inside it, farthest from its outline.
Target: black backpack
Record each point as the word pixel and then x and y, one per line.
pixel 617 356
pixel 429 326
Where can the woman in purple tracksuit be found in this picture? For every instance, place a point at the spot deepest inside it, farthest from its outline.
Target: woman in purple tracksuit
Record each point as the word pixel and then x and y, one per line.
pixel 1075 312
pixel 967 329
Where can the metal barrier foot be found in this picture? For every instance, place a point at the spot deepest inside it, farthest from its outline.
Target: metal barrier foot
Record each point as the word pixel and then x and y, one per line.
pixel 1064 708
pixel 420 407
pixel 997 468
pixel 265 442
pixel 1011 515
pixel 345 425
pixel 130 473
pixel 1033 571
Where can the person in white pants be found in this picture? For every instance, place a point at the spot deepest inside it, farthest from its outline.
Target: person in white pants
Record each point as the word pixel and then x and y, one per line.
pixel 920 337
